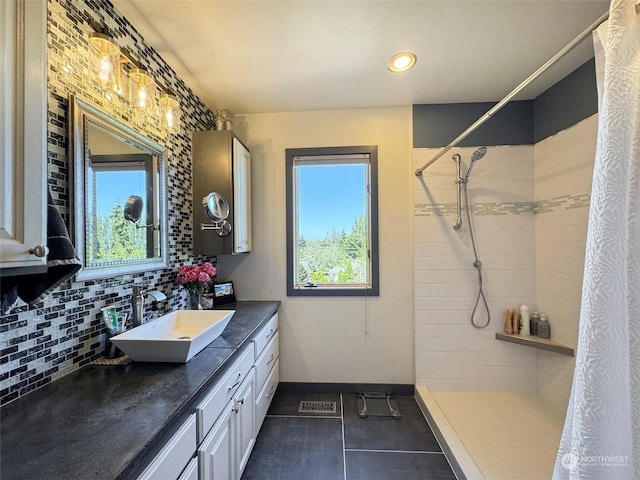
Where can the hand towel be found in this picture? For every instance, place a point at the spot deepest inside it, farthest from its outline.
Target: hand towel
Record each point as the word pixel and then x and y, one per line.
pixel 62 263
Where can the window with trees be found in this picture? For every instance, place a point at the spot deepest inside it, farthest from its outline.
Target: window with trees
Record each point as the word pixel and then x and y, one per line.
pixel 111 179
pixel 332 221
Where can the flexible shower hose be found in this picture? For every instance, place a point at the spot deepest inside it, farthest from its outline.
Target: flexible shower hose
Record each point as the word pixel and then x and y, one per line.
pixel 478 265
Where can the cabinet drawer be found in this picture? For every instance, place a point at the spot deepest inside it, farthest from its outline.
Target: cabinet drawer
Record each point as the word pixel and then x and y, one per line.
pixel 191 472
pixel 266 360
pixel 215 401
pixel 265 333
pixel 173 457
pixel 266 395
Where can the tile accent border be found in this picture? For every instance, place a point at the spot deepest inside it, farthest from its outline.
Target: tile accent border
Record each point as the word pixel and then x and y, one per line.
pixel 563 202
pixel 445 209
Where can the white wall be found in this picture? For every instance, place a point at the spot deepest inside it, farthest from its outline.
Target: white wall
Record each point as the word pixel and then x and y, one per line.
pixel 563 171
pixel 323 339
pixel 450 353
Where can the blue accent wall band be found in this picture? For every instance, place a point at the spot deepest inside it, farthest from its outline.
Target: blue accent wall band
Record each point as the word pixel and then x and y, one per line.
pixel 524 122
pixel 436 125
pixel 566 103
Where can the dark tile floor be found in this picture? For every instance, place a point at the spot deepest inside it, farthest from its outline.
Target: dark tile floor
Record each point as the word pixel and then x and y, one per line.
pixel 343 446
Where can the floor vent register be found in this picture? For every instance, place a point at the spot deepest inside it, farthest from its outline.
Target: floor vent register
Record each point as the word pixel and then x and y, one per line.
pixel 307 406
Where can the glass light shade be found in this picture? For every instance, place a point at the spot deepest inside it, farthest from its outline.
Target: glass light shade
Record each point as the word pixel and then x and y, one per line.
pixel 170 112
pixel 142 88
pixel 105 61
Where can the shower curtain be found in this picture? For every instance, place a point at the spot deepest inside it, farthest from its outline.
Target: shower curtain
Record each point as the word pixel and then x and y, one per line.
pixel 601 437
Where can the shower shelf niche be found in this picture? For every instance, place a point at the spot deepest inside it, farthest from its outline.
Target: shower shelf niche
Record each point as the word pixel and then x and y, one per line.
pixel 537 342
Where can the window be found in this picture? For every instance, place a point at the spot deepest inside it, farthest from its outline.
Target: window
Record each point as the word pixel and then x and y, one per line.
pixel 111 179
pixel 332 221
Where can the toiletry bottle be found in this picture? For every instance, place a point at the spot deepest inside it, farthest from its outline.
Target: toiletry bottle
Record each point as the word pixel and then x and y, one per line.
pixel 535 317
pixel 524 318
pixel 515 322
pixel 507 323
pixel 544 329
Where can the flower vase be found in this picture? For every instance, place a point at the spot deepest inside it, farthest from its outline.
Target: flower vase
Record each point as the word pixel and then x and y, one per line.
pixel 194 297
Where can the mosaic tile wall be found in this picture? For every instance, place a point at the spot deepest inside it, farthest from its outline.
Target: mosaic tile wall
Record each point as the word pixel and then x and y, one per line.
pixel 64 332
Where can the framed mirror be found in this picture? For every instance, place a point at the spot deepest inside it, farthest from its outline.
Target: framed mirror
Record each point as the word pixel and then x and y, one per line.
pixel 114 164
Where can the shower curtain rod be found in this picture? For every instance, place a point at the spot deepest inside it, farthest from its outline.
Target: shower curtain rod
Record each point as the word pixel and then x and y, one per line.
pixel 585 33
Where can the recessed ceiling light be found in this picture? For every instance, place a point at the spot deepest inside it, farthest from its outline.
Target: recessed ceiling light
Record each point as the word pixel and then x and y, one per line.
pixel 403 61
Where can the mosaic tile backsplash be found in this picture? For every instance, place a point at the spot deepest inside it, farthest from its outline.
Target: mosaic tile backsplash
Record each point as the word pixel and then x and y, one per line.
pixel 64 332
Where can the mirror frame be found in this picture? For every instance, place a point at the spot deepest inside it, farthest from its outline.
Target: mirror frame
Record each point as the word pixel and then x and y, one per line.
pixel 80 114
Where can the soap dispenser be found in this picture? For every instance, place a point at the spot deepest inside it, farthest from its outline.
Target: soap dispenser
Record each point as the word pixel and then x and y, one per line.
pixel 544 329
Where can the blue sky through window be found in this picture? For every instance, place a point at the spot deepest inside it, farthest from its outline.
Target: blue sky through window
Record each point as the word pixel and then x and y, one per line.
pixel 330 197
pixel 117 186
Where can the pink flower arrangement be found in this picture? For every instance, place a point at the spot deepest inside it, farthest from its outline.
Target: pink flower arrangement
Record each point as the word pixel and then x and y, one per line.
pixel 195 277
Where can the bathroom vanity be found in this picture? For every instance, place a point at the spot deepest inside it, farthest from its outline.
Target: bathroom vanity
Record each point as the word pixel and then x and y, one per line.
pixel 151 420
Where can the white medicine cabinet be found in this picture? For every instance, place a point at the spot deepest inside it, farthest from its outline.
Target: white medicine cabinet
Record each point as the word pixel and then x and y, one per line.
pixel 221 194
pixel 23 136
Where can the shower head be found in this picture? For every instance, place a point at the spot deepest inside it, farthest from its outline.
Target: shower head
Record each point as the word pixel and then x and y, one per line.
pixel 475 156
pixel 478 154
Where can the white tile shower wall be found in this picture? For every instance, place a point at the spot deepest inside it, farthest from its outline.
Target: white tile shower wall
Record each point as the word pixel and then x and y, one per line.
pixel 563 171
pixel 450 353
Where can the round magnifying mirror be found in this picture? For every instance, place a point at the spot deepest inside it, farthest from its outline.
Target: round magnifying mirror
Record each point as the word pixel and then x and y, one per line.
pixel 215 206
pixel 133 208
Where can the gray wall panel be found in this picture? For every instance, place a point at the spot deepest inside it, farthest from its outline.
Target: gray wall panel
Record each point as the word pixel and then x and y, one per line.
pixel 525 122
pixel 566 103
pixel 436 125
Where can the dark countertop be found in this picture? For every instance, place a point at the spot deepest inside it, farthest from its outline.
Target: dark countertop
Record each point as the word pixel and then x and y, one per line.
pixel 109 422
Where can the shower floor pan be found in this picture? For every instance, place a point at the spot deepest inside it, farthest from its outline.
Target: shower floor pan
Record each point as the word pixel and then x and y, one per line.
pixel 494 435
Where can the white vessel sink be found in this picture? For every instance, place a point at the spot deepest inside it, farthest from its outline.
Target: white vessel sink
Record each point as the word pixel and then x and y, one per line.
pixel 174 337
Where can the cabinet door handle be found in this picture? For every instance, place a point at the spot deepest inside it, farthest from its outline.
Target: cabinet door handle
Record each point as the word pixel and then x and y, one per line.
pixel 270 333
pixel 273 387
pixel 271 359
pixel 237 382
pixel 236 408
pixel 39 251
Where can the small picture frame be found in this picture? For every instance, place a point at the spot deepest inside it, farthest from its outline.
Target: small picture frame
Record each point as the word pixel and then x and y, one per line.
pixel 223 293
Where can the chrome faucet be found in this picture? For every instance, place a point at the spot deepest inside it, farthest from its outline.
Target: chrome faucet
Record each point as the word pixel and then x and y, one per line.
pixel 137 302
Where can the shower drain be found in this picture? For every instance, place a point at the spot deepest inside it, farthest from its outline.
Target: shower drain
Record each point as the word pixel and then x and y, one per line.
pixel 307 406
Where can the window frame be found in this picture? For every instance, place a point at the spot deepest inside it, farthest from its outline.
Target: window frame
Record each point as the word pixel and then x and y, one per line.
pixel 327 290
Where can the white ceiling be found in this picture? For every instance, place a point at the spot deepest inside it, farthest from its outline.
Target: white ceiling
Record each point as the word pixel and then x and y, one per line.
pixel 276 56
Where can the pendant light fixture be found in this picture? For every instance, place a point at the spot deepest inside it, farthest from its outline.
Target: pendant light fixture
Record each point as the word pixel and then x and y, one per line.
pixel 142 88
pixel 170 112
pixel 111 65
pixel 105 61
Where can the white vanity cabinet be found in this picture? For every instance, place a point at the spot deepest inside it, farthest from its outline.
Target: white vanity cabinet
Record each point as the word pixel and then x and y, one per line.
pixel 243 423
pixel 23 136
pixel 267 351
pixel 223 430
pixel 176 453
pixel 191 471
pixel 226 422
pixel 227 445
